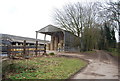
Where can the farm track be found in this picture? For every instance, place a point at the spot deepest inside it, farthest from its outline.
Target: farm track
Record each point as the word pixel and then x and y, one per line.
pixel 101 66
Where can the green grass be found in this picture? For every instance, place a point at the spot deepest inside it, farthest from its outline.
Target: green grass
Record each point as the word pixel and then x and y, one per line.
pixel 114 51
pixel 43 68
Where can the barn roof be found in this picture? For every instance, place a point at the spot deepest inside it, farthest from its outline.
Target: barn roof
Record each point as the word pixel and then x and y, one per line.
pixel 14 38
pixel 49 29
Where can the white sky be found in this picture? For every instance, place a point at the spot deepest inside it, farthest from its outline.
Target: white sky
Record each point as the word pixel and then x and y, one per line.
pixel 24 17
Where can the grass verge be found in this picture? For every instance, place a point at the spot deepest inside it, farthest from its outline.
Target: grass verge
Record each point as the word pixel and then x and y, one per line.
pixel 43 68
pixel 114 52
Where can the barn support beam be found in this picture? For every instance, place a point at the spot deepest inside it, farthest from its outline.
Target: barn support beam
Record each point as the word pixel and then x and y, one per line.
pixel 36 34
pixel 44 44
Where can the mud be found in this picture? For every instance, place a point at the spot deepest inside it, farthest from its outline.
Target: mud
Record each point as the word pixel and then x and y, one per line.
pixel 101 66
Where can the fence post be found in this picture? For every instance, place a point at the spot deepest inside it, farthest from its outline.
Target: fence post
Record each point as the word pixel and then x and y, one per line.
pixel 9 51
pixel 28 50
pixel 44 49
pixel 24 48
pixel 36 48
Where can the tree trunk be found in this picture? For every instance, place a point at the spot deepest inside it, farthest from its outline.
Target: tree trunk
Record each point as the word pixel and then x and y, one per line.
pixel 119 31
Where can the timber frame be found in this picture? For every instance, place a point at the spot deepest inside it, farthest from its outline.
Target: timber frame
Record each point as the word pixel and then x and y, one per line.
pixel 68 41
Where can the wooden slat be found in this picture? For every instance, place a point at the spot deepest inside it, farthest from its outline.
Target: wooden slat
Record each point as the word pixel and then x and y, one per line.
pixel 26 50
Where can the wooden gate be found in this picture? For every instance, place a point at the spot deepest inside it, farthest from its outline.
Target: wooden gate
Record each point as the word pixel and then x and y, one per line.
pixel 26 51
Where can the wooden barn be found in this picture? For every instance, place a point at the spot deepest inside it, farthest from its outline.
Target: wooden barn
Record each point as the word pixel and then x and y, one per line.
pixel 61 40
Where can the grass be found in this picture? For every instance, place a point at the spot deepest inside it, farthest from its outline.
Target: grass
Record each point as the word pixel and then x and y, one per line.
pixel 43 68
pixel 114 51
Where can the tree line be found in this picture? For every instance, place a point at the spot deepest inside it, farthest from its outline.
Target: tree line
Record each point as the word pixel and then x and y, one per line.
pixel 95 23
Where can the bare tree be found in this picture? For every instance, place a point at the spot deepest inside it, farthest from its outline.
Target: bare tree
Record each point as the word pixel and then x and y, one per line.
pixel 87 21
pixel 91 31
pixel 71 18
pixel 114 14
pixel 81 21
pixel 111 14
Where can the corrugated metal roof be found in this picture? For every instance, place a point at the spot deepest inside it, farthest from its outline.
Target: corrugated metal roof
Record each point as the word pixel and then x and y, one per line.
pixel 14 38
pixel 49 29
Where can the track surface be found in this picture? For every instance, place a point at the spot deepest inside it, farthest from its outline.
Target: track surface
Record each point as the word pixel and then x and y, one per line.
pixel 101 66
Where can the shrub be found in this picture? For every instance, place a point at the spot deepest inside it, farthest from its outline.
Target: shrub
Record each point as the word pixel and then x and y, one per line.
pixel 52 53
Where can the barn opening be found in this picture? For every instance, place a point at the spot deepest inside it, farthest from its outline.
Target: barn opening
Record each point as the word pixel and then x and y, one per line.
pixel 61 40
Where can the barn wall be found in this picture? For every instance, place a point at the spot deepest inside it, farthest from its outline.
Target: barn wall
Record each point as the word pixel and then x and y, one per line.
pixel 56 38
pixel 71 42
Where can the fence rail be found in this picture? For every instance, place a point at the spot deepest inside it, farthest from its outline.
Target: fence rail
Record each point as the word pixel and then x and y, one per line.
pixel 26 51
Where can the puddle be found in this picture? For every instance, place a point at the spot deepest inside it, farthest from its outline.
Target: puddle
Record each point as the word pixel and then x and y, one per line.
pixel 94 74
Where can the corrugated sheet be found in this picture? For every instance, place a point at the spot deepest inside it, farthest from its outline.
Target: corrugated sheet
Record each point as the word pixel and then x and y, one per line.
pixel 49 29
pixel 13 38
pixel 72 42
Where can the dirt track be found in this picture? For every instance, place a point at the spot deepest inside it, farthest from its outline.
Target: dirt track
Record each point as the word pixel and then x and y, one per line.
pixel 102 66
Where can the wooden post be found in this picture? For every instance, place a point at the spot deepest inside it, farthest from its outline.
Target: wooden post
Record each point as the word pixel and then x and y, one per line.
pixel 36 34
pixel 39 49
pixel 44 45
pixel 28 51
pixel 9 51
pixel 52 42
pixel 36 50
pixel 44 48
pixel 24 48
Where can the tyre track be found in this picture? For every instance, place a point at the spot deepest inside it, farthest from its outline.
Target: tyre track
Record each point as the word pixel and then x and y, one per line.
pixel 101 67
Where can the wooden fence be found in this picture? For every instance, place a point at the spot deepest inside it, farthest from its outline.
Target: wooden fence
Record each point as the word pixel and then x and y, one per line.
pixel 26 51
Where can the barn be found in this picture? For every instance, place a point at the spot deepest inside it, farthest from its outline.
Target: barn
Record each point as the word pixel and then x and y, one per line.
pixel 6 39
pixel 61 40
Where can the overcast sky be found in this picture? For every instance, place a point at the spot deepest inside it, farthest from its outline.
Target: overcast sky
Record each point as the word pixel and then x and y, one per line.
pixel 24 17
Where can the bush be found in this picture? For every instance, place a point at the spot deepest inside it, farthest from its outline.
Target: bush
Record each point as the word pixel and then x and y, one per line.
pixel 114 51
pixel 52 53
